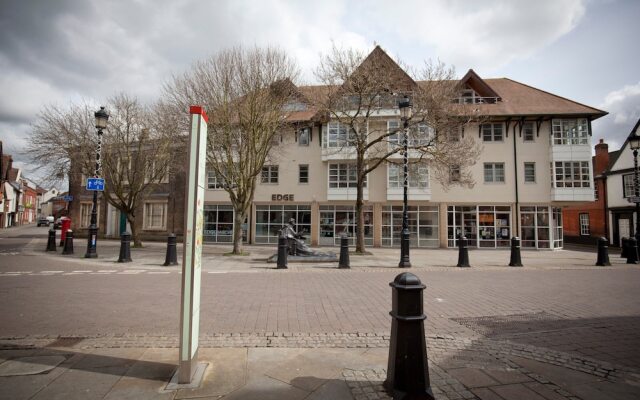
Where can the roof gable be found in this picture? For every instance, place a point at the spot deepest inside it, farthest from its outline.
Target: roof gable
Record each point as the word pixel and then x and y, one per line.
pixel 473 81
pixel 378 64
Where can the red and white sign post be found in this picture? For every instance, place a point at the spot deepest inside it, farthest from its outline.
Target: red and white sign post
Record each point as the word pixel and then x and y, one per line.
pixel 192 255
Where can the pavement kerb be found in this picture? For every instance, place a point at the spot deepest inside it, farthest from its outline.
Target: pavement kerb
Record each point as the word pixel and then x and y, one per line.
pixel 438 346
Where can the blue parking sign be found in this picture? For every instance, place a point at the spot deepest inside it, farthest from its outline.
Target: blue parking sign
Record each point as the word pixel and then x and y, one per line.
pixel 95 184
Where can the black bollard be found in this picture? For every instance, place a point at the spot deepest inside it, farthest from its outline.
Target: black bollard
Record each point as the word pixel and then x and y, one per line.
pixel 407 368
pixel 632 251
pixel 68 243
pixel 624 249
pixel 603 252
pixel 344 251
pixel 51 243
pixel 172 251
pixel 283 249
pixel 125 247
pixel 516 260
pixel 463 252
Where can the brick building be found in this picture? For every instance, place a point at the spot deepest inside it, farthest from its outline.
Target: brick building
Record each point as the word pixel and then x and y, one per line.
pixel 586 222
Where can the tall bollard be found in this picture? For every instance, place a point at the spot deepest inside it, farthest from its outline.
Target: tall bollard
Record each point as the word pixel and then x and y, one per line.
pixel 172 251
pixel 407 368
pixel 51 242
pixel 603 253
pixel 463 252
pixel 283 249
pixel 68 243
pixel 344 251
pixel 515 260
pixel 125 247
pixel 632 251
pixel 625 246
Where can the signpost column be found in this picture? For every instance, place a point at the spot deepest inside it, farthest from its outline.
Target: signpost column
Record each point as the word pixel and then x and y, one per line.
pixel 191 260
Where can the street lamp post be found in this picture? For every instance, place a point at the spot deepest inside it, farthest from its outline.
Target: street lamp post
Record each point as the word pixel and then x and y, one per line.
pixel 405 114
pixel 634 142
pixel 101 117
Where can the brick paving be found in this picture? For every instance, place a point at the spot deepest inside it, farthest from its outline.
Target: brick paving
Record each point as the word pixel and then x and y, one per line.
pixel 487 326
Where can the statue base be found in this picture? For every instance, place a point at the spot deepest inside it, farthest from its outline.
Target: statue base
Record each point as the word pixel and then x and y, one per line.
pixel 320 258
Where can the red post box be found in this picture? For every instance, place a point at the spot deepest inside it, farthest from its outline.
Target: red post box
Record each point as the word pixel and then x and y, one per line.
pixel 65 225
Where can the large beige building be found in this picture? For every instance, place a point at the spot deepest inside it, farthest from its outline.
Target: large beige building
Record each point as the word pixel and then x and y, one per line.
pixel 536 158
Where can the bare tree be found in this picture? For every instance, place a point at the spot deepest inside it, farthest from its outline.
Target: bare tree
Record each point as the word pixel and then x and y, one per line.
pixel 138 153
pixel 244 92
pixel 363 94
pixel 137 150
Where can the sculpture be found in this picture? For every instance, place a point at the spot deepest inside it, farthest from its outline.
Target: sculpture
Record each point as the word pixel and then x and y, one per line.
pixel 297 246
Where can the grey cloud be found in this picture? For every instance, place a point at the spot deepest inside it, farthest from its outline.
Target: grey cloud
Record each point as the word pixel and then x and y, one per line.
pixel 623 106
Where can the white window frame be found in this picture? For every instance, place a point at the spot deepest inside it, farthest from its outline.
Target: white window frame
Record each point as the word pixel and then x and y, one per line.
pixel 454 173
pixel 628 187
pixel 300 167
pixel 528 132
pixel 565 173
pixel 584 224
pixel 530 176
pixel 421 135
pixel 269 174
pixel 339 135
pixel 304 136
pixel 339 171
pixel 495 177
pixel 214 181
pixel 148 219
pixel 85 217
pixel 570 131
pixel 417 176
pixel 492 132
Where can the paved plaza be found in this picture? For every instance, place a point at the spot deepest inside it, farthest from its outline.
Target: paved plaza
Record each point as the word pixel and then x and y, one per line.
pixel 557 328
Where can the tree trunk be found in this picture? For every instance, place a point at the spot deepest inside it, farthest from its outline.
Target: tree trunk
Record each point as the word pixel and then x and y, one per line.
pixel 359 217
pixel 134 235
pixel 238 220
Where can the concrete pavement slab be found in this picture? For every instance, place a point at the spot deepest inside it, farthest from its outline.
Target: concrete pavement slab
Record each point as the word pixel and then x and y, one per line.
pixel 333 389
pixel 265 388
pixel 25 387
pixel 30 365
pixel 226 373
pixel 517 392
pixel 472 377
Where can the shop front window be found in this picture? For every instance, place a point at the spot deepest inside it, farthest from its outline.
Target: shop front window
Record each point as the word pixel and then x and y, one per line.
pixel 218 223
pixel 423 226
pixel 271 218
pixel 539 229
pixel 484 226
pixel 337 219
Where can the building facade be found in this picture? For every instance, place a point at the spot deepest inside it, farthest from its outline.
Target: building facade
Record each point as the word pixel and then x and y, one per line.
pixel 536 159
pixel 622 216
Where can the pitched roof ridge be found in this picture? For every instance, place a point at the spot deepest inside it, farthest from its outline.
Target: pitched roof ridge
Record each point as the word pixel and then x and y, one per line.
pixel 557 96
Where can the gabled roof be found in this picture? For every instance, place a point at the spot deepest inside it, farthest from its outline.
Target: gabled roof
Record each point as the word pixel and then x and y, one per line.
pixel 474 81
pixel 378 60
pixel 13 174
pixel 519 99
pixel 634 131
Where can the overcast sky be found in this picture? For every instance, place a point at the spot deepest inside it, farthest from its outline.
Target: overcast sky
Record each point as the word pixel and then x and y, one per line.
pixel 55 52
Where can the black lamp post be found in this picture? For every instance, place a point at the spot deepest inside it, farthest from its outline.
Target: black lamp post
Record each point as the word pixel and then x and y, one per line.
pixel 634 142
pixel 101 123
pixel 405 114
